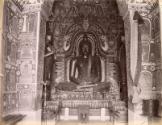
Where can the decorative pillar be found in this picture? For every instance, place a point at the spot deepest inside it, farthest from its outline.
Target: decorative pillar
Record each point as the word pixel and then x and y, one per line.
pixel 144 98
pixel 43 17
pixel 133 44
pixel 134 63
pixel 135 67
pixel 27 61
pixel 31 59
pixel 149 63
pixel 9 50
pixel 103 114
pixel 136 42
pixel 1 59
pixel 127 28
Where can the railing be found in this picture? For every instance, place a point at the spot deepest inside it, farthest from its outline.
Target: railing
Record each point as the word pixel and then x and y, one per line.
pixel 53 105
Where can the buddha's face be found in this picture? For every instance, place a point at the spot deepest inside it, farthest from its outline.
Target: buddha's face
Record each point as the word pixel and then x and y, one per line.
pixel 85 50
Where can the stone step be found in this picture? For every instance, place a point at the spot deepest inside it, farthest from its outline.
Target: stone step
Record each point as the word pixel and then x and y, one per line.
pixel 13 119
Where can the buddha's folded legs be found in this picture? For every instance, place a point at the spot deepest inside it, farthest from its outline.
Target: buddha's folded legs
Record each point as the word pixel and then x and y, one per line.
pixel 66 86
pixel 70 86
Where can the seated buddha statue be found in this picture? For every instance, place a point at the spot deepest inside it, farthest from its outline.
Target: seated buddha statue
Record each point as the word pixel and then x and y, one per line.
pixel 85 69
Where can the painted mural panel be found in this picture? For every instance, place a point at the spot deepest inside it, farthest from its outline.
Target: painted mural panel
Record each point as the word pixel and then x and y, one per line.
pixel 155 51
pixel 145 52
pixel 26 51
pixel 145 30
pixel 41 50
pixel 32 22
pixel 29 23
pixel 26 72
pixel 156 25
pixel 10 36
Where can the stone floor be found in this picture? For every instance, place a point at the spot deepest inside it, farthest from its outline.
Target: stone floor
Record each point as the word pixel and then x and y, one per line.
pixel 34 118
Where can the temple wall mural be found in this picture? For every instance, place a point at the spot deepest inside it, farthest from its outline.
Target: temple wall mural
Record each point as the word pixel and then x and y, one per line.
pixel 81 61
pixel 10 36
pixel 27 60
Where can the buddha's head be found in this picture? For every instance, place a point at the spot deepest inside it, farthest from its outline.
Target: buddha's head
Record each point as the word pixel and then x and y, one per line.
pixel 85 47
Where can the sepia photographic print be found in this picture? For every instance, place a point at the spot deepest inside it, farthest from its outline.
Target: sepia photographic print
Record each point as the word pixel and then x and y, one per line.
pixel 80 62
